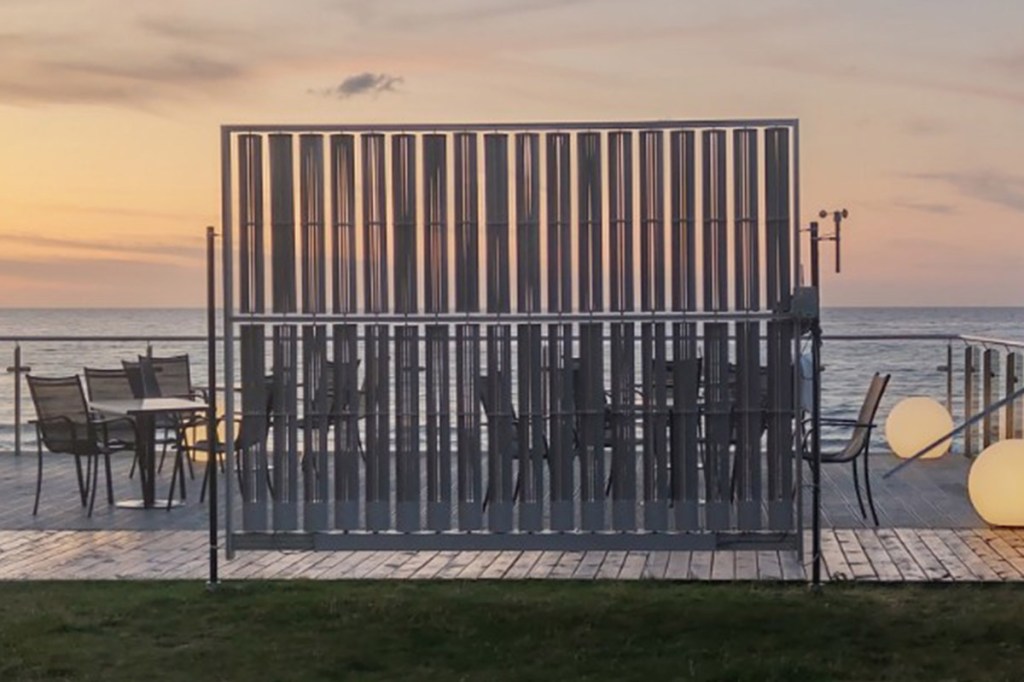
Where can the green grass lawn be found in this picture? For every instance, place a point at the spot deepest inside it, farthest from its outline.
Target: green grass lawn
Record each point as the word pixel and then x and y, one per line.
pixel 508 631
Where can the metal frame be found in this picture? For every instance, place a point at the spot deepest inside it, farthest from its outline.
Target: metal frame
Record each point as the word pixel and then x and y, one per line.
pixel 546 363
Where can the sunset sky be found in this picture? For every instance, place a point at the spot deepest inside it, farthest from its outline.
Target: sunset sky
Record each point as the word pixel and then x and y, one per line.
pixel 912 117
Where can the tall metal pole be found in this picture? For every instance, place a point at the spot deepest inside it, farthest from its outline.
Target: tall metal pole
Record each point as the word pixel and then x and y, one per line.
pixel 816 416
pixel 211 412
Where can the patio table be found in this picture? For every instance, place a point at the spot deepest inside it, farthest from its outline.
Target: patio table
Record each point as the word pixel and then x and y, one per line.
pixel 144 412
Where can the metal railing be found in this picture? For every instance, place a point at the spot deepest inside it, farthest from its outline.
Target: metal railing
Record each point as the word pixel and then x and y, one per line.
pixel 978 372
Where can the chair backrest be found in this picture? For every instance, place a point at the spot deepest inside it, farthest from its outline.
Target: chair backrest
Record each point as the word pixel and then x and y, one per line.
pixel 172 375
pixel 108 384
pixel 255 427
pixel 866 416
pixel 63 414
pixel 141 379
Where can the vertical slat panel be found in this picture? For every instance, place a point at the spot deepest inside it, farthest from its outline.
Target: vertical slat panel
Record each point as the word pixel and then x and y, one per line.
pixel 528 337
pixel 285 428
pixel 500 417
pixel 345 404
pixel 1011 382
pixel 748 382
pixel 251 263
pixel 588 383
pixel 347 409
pixel 343 212
pixel 375 223
pixel 779 281
pixel 406 290
pixel 252 446
pixel 311 200
pixel 621 280
pixel 467 299
pixel 716 276
pixel 315 426
pixel 438 402
pixel 686 369
pixel 717 426
pixel 718 401
pixel 653 363
pixel 282 224
pixel 378 422
pixel 560 351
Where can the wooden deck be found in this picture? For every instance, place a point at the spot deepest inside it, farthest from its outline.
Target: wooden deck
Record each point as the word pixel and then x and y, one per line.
pixel 883 555
pixel 928 533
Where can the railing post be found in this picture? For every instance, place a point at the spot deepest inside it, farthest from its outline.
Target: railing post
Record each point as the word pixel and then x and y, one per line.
pixel 968 398
pixel 1010 414
pixel 989 368
pixel 949 376
pixel 17 370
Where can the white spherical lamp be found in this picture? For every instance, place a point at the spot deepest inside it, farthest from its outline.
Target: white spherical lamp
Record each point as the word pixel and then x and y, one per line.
pixel 996 483
pixel 914 424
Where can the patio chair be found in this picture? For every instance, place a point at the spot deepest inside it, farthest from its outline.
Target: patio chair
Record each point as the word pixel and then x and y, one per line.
pixel 113 384
pixel 64 425
pixel 859 444
pixel 508 439
pixel 251 430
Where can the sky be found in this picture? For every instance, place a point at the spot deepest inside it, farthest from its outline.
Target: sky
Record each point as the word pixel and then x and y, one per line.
pixel 911 117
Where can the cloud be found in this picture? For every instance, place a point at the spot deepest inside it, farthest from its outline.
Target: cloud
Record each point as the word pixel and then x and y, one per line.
pixel 926 207
pixel 366 83
pixel 131 249
pixel 990 186
pixel 923 126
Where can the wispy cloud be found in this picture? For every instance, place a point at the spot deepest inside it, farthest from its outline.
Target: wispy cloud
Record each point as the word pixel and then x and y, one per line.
pixel 926 206
pixel 130 248
pixel 990 186
pixel 366 83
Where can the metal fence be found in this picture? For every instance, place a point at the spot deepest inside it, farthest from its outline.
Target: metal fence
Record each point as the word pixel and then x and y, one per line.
pixel 487 336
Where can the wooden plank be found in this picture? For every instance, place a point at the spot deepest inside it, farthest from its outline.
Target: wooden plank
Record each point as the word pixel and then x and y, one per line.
pixel 1000 566
pixel 611 566
pixel 860 566
pixel 768 566
pixel 791 567
pixel 678 567
pixel 975 564
pixel 633 566
pixel 949 560
pixel 457 565
pixel 657 564
pixel 589 566
pixel 389 566
pixel 566 566
pixel 430 569
pixel 500 566
pixel 475 569
pixel 832 556
pixel 544 565
pixel 904 561
pixel 700 566
pixel 521 568
pixel 922 556
pixel 998 540
pixel 885 567
pixel 417 561
pixel 746 566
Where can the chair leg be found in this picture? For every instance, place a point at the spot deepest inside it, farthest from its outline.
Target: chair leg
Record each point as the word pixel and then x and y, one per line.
pixel 110 481
pixel 135 462
pixel 867 489
pixel 83 481
pixel 856 487
pixel 95 482
pixel 39 480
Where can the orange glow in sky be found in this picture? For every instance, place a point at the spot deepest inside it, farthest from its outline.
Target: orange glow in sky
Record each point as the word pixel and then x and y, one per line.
pixel 911 118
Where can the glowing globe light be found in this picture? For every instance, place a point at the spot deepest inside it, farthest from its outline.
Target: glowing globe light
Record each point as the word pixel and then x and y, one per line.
pixel 916 423
pixel 996 483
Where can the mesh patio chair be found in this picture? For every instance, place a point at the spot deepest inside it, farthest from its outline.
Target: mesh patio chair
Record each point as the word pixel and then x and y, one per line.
pixel 508 437
pixel 251 430
pixel 859 444
pixel 64 425
pixel 113 384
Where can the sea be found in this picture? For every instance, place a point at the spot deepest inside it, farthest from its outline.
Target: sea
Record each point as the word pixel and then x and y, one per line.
pixel 849 363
